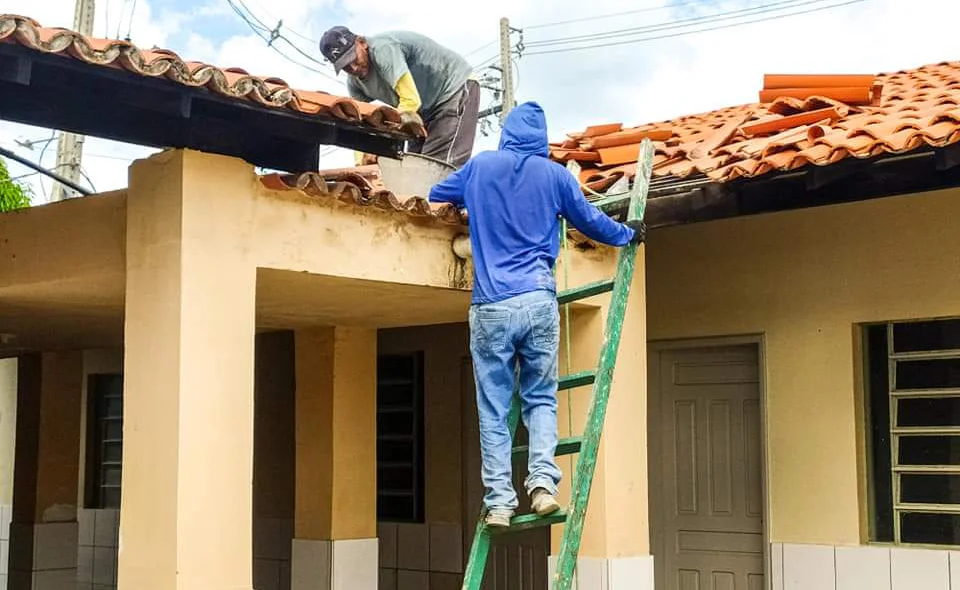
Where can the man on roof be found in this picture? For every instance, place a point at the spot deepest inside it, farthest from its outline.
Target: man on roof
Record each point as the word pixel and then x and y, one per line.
pixel 431 85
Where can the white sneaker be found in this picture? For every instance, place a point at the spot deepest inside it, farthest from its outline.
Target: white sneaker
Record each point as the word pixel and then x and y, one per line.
pixel 543 502
pixel 498 518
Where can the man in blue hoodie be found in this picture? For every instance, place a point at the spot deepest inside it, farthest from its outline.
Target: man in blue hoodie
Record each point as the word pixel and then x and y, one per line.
pixel 514 197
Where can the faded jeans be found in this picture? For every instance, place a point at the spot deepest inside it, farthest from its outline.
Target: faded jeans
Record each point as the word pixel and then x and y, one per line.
pixel 521 332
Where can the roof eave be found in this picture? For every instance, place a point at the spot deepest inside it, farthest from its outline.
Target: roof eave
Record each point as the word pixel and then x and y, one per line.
pixel 699 199
pixel 57 92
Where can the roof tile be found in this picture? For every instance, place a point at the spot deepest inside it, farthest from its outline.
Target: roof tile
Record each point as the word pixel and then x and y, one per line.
pixel 890 114
pixel 233 83
pixel 362 187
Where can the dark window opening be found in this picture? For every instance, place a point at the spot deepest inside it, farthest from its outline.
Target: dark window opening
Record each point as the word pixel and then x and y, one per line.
pixel 104 459
pixel 400 438
pixel 913 426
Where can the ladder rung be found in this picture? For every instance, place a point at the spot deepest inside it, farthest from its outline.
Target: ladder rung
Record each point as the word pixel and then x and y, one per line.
pixel 565 446
pixel 588 290
pixel 526 522
pixel 574 380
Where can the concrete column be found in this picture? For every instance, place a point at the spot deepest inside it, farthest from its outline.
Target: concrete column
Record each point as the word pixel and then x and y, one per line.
pixel 186 506
pixel 335 526
pixel 8 435
pixel 43 535
pixel 615 551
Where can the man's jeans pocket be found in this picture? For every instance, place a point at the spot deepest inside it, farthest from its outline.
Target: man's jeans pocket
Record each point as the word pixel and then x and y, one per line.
pixel 489 328
pixel 545 325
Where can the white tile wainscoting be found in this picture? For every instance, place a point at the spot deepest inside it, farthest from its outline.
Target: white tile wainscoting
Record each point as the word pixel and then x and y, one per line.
pixel 828 567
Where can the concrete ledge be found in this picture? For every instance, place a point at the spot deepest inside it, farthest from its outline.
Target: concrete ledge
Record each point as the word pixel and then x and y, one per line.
pixel 619 573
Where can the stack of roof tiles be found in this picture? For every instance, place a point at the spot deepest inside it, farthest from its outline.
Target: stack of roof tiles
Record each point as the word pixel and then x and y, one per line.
pixel 798 121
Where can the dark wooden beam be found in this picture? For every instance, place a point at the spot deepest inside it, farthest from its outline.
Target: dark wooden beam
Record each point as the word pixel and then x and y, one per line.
pixel 15 69
pixel 820 176
pixel 920 172
pixel 67 94
pixel 948 157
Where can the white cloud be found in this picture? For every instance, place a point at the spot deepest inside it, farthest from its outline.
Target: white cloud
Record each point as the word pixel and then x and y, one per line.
pixel 633 83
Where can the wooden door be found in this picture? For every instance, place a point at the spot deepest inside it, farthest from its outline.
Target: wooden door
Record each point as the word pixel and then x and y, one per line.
pixel 711 469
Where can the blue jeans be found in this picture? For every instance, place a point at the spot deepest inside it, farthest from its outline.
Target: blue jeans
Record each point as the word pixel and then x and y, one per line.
pixel 523 333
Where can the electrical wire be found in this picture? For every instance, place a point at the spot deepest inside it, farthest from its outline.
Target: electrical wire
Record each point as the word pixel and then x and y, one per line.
pixel 678 24
pixel 269 36
pixel 133 11
pixel 123 8
pixel 691 32
pixel 614 14
pixel 479 49
pixel 280 21
pixel 43 188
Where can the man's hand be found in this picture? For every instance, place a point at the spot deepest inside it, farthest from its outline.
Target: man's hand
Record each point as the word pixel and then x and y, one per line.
pixel 368 159
pixel 413 124
pixel 639 230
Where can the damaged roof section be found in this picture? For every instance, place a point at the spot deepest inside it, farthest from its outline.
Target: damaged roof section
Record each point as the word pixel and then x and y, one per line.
pixel 110 88
pixel 799 121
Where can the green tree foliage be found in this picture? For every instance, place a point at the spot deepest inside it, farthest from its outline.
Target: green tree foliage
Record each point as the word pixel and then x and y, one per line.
pixel 13 195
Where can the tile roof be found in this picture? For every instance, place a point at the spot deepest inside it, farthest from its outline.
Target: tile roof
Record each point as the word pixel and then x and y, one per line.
pixel 799 121
pixel 162 63
pixel 361 186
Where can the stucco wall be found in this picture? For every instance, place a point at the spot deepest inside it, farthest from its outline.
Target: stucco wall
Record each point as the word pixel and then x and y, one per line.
pixel 805 279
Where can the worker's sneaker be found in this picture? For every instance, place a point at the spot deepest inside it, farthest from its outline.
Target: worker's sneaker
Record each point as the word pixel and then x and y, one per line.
pixel 543 502
pixel 498 518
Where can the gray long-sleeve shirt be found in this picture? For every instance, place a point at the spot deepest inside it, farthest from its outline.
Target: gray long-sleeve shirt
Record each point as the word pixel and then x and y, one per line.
pixel 438 72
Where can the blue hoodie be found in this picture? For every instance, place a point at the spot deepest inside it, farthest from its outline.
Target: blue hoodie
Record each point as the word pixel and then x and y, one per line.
pixel 514 198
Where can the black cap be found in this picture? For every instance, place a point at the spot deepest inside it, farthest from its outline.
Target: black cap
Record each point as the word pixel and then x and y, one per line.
pixel 339 46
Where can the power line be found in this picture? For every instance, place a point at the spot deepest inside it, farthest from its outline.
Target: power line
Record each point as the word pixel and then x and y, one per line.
pixel 280 21
pixel 614 14
pixel 133 11
pixel 691 32
pixel 678 24
pixel 123 8
pixel 269 36
pixel 481 48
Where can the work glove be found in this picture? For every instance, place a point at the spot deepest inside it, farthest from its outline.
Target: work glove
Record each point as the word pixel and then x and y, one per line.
pixel 639 230
pixel 413 124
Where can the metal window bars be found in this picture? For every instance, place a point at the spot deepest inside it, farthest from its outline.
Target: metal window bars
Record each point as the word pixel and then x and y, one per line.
pixel 901 508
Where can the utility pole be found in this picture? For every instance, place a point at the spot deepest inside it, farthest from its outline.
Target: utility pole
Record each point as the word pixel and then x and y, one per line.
pixel 70 145
pixel 506 67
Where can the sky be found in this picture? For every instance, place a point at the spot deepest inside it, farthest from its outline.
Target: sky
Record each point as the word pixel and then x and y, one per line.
pixel 626 76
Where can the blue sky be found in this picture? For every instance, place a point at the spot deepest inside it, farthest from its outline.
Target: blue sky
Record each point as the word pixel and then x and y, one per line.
pixel 631 83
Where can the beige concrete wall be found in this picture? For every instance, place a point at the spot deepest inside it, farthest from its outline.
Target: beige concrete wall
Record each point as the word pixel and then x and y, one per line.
pixel 805 279
pixel 8 428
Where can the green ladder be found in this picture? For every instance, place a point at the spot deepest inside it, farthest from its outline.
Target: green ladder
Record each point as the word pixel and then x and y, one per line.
pixel 587 444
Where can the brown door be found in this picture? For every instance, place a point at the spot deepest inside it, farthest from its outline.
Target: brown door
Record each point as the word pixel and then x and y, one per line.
pixel 517 561
pixel 710 475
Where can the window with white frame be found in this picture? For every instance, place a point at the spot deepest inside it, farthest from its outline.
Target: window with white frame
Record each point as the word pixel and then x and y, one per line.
pixel 912 383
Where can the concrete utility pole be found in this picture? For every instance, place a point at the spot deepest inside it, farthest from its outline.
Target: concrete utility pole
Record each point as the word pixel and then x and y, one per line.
pixel 506 67
pixel 70 145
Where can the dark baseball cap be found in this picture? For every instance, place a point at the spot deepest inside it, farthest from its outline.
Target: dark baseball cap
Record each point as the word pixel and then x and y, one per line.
pixel 339 46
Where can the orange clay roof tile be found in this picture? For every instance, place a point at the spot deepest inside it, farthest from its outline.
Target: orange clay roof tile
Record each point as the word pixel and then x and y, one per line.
pixel 161 63
pixel 894 113
pixel 362 187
